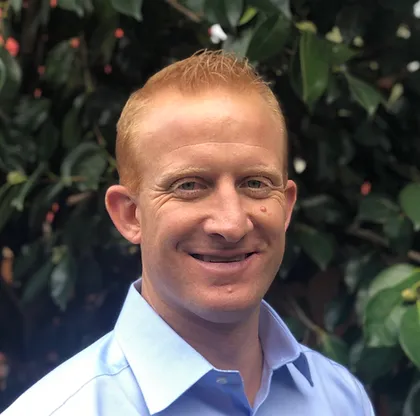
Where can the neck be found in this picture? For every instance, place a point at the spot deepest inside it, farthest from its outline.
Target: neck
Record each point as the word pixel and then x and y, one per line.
pixel 227 346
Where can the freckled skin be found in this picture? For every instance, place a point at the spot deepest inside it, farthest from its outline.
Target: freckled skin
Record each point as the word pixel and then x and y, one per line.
pixel 208 164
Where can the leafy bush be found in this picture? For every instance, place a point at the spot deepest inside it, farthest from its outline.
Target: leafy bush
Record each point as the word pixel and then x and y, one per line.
pixel 346 74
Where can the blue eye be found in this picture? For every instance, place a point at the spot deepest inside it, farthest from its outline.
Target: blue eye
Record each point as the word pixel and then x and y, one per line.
pixel 188 186
pixel 254 183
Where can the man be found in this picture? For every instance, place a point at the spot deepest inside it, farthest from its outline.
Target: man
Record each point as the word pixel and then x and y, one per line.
pixel 202 157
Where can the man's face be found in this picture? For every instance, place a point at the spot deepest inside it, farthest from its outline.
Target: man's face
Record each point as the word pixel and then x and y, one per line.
pixel 213 204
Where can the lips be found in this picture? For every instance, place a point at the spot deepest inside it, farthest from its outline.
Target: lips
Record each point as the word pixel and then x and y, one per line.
pixel 221 259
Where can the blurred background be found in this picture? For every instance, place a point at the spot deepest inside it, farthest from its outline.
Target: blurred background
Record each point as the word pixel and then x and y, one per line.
pixel 347 75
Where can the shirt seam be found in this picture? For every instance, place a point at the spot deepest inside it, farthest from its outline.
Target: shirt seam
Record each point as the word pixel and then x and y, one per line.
pixel 334 364
pixel 84 385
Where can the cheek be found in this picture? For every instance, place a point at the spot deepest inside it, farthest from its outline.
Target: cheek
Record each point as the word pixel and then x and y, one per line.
pixel 172 226
pixel 272 210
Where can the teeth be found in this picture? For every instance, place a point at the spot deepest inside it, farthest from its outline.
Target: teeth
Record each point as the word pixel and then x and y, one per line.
pixel 213 259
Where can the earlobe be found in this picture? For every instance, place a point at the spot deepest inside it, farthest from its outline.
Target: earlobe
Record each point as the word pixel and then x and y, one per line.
pixel 290 194
pixel 122 210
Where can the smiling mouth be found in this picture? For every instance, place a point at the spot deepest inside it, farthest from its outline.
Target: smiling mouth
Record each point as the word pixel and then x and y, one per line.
pixel 216 259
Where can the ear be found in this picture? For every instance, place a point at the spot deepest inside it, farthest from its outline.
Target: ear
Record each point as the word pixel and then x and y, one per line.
pixel 290 194
pixel 123 209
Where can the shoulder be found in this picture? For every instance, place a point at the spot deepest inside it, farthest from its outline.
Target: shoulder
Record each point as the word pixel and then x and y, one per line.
pixel 76 378
pixel 336 379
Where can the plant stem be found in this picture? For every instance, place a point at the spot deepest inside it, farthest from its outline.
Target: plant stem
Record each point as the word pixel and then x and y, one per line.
pixel 184 10
pixel 300 314
pixel 376 239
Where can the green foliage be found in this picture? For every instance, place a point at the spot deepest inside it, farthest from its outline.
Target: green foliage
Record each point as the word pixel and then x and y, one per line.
pixel 340 71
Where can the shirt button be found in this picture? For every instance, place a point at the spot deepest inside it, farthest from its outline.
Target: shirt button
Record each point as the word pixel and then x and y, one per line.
pixel 221 380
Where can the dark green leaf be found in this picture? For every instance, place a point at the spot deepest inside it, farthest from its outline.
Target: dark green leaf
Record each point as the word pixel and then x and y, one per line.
pixel 366 95
pixel 7 194
pixel 225 12
pixel 75 6
pixel 399 276
pixel 384 308
pixel 335 348
pixel 400 233
pixel 103 40
pixel 361 269
pixel 383 315
pixel 37 283
pixel 60 63
pixel 32 113
pixel 341 53
pixel 19 200
pixel 3 75
pixel 238 44
pixel 369 134
pixel 410 202
pixel 84 165
pixel 62 281
pixel 333 89
pixel 269 38
pixel 71 133
pixel 412 404
pixel 234 9
pixel 130 8
pixel 28 257
pixel 47 140
pixel 372 363
pixel 16 6
pixel 42 203
pixel 352 20
pixel 13 76
pixel 17 150
pixel 273 6
pixel 338 311
pixel 314 57
pixel 410 333
pixel 318 246
pixel 322 208
pixel 376 209
pixel 196 6
pixel 295 74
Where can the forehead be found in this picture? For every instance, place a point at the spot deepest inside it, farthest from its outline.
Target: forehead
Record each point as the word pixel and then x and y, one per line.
pixel 173 120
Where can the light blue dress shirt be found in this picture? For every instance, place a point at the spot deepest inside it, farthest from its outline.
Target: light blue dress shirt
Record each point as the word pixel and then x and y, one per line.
pixel 144 368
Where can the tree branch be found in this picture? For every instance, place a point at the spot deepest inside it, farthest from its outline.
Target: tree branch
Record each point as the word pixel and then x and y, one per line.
pixel 378 240
pixel 300 314
pixel 185 11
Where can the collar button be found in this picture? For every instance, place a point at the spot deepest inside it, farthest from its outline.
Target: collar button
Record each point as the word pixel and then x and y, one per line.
pixel 221 380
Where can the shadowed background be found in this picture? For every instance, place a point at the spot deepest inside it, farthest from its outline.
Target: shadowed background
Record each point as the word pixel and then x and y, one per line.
pixel 346 73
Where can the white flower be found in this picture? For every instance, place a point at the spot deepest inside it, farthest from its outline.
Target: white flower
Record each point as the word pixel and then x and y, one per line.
pixel 217 34
pixel 416 9
pixel 403 32
pixel 299 165
pixel 413 66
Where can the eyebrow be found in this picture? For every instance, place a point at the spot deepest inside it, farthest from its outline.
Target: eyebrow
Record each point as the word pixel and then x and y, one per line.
pixel 179 172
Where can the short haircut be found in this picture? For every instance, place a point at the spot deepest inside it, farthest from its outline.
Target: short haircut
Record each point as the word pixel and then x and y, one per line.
pixel 200 73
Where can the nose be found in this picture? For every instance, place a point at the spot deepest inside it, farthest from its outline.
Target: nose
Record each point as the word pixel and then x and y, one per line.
pixel 226 215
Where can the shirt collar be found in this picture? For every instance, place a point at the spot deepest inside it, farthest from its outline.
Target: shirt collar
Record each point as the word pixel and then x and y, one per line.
pixel 157 355
pixel 160 367
pixel 279 345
